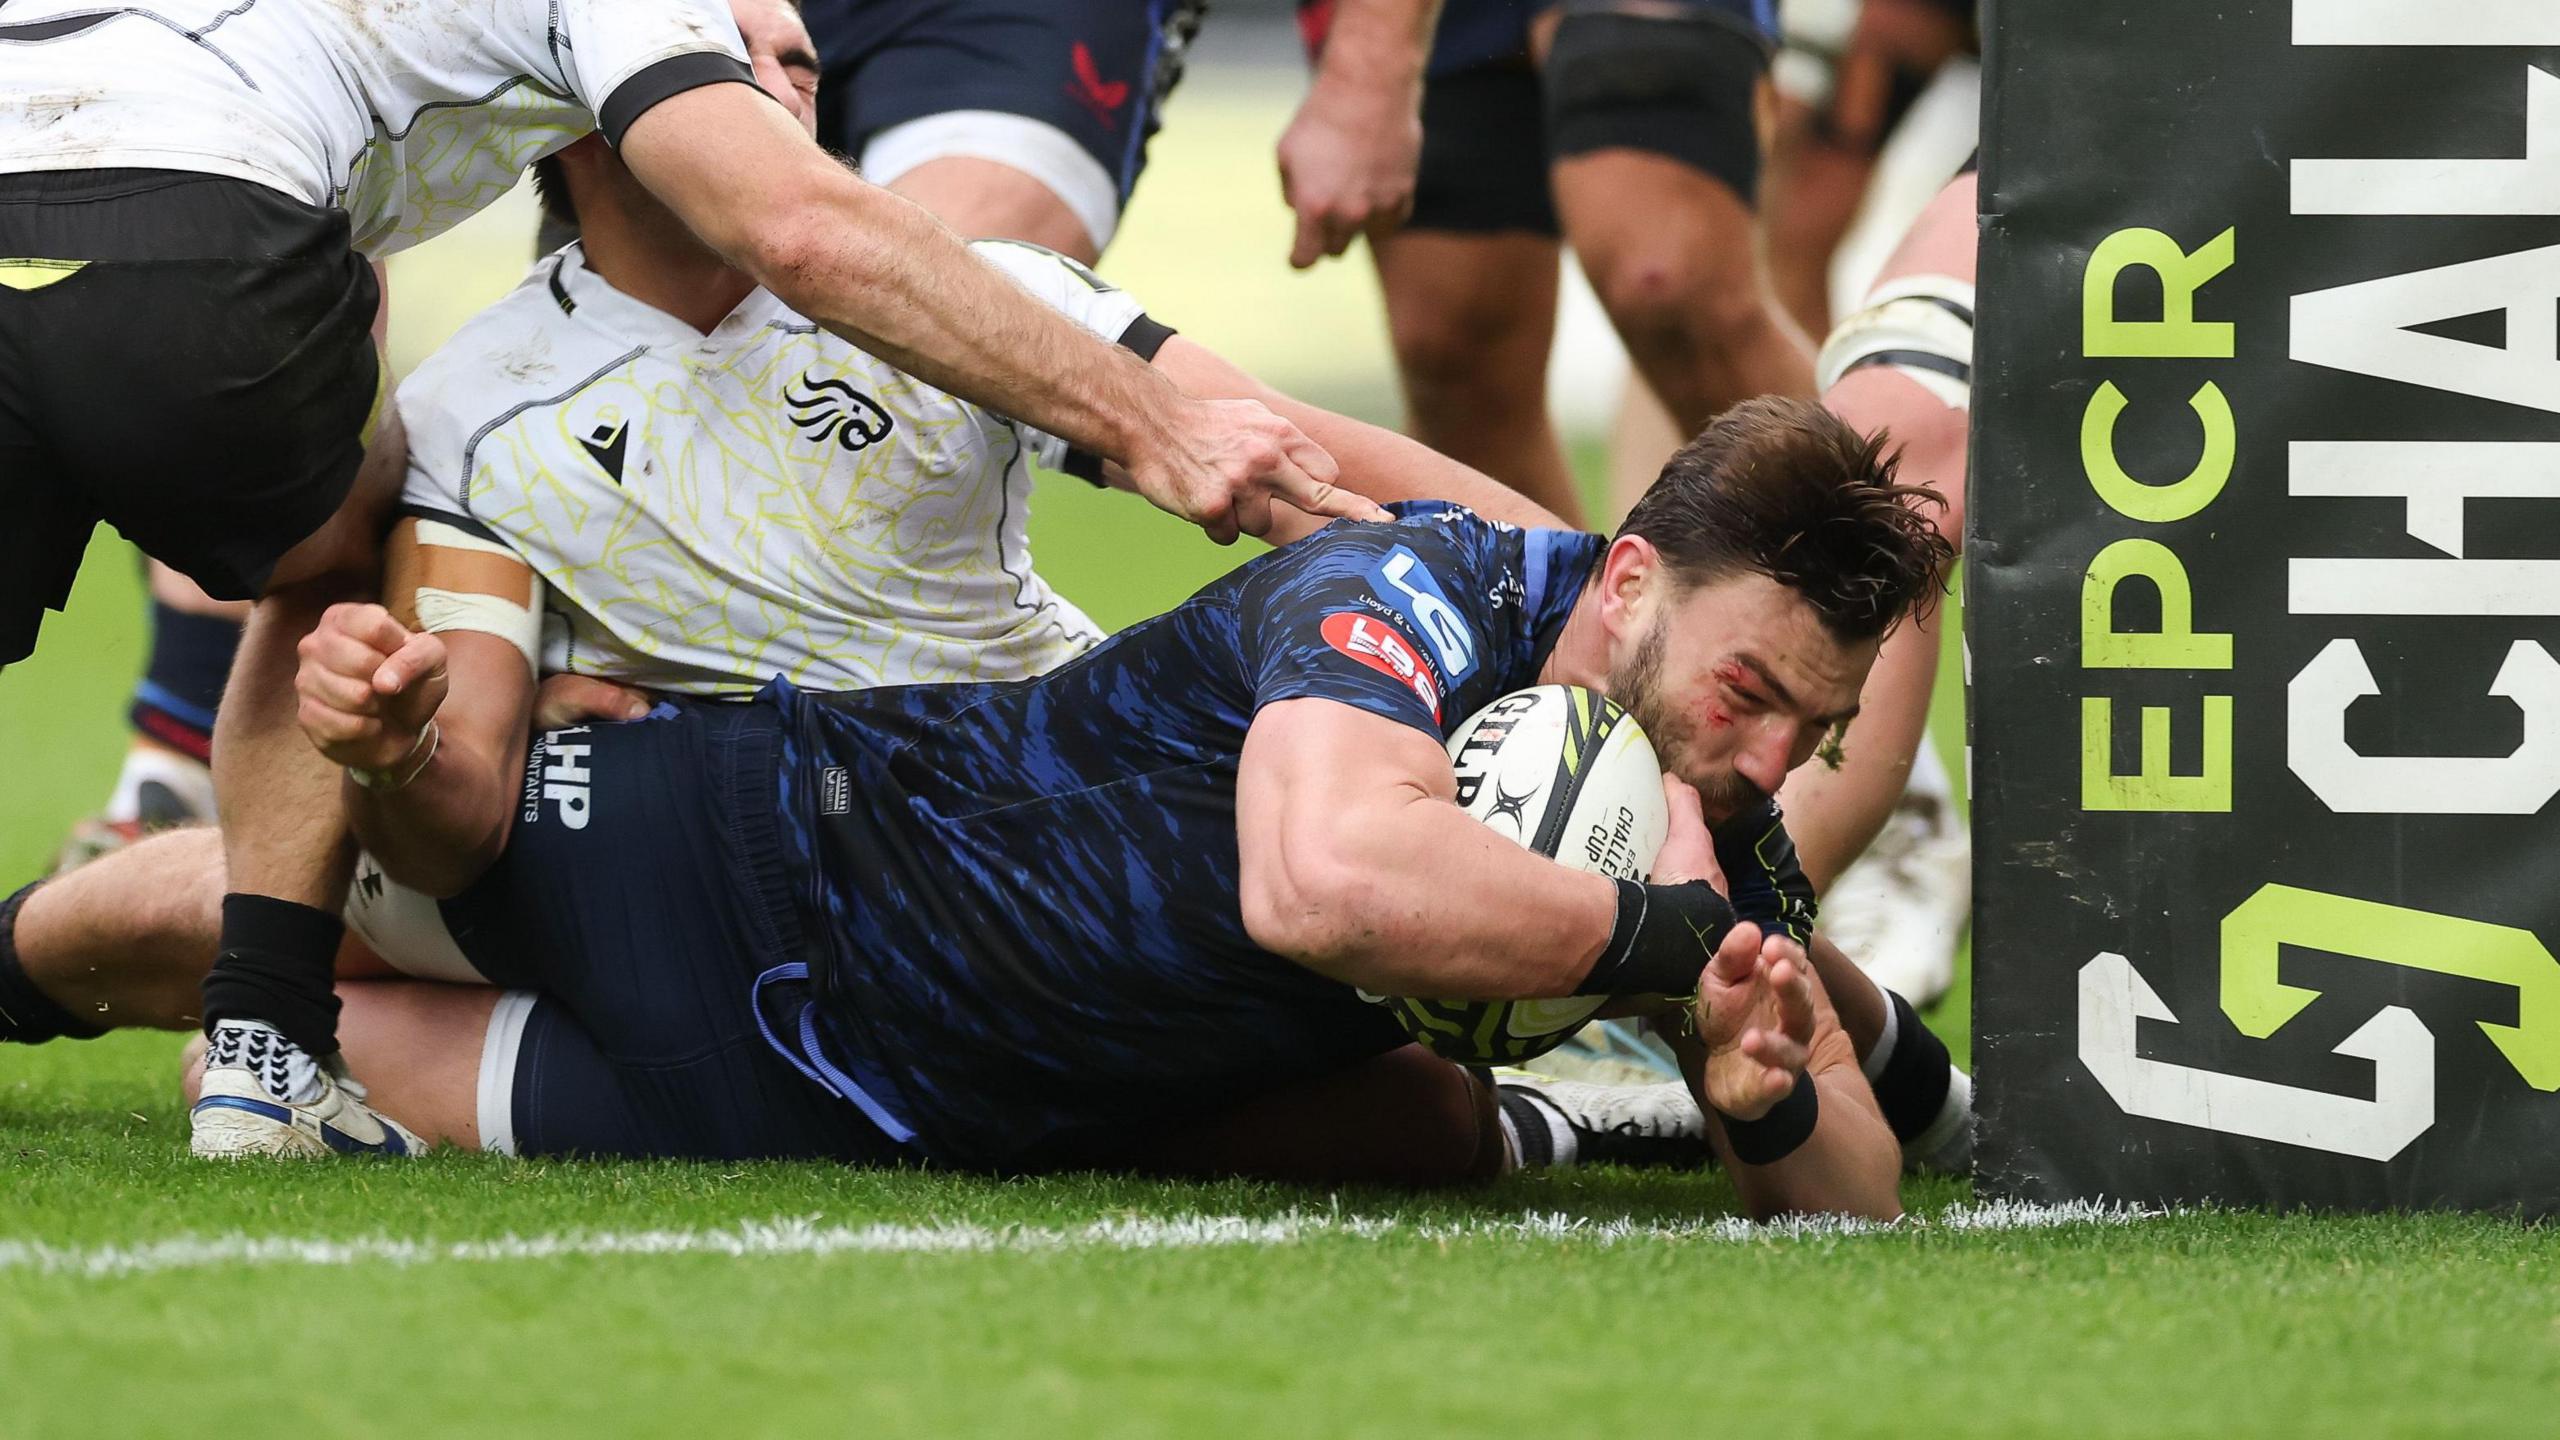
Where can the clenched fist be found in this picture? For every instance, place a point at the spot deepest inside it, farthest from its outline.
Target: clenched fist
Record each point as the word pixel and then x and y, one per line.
pixel 368 686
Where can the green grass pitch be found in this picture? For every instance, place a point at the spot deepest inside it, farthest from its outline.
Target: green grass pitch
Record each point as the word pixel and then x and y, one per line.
pixel 142 1294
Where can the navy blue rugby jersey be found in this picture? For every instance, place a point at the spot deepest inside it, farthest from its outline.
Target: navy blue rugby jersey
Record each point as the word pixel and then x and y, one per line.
pixel 1027 893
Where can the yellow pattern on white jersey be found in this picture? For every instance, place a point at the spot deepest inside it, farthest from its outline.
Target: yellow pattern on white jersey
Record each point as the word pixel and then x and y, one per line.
pixel 709 511
pixel 410 117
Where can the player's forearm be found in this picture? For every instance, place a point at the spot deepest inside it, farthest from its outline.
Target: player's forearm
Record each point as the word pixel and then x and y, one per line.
pixel 1414 897
pixel 1378 46
pixel 1376 462
pixel 1388 467
pixel 437 832
pixel 877 269
pixel 1850 1165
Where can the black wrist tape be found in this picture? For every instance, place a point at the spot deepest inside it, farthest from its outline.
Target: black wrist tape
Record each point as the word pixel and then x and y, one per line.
pixel 1664 937
pixel 1775 1136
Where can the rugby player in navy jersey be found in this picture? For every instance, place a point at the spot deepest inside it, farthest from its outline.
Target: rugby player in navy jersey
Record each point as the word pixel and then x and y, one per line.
pixel 1056 921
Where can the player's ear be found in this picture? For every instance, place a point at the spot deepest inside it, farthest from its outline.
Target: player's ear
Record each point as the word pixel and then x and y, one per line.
pixel 1631 567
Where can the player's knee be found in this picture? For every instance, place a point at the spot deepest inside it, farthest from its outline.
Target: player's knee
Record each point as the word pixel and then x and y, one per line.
pixel 175 889
pixel 1455 1134
pixel 1472 358
pixel 1659 297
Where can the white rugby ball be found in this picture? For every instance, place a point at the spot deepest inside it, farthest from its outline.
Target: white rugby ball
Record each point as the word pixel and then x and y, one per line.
pixel 1566 772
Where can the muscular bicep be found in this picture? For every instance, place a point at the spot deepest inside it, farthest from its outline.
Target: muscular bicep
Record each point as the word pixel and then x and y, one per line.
pixel 1376 462
pixel 1315 773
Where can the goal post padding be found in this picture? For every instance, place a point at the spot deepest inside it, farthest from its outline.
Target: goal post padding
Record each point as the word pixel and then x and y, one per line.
pixel 2264 584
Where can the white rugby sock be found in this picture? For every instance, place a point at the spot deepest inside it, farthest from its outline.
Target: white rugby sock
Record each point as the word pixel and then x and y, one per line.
pixel 1534 1129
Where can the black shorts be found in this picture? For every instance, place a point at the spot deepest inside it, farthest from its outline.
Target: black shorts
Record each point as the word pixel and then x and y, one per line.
pixel 641 896
pixel 186 357
pixel 1484 153
pixel 1492 128
pixel 1098 70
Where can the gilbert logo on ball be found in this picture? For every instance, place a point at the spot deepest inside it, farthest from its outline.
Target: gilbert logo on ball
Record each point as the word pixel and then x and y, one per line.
pixel 1565 772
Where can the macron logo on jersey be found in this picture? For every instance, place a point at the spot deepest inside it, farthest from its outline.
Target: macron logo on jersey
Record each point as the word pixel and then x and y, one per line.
pixel 1376 644
pixel 1408 585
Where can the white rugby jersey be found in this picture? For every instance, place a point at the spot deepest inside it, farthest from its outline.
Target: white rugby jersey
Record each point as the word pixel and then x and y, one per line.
pixel 709 511
pixel 410 115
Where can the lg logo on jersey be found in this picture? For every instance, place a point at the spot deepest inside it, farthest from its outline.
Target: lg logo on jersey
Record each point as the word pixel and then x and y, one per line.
pixel 1406 584
pixel 828 409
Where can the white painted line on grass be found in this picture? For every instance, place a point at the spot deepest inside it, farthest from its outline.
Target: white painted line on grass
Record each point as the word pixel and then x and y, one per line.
pixel 808 1237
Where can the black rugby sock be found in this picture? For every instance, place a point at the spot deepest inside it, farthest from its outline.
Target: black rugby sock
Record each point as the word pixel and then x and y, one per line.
pixel 1540 1136
pixel 28 1016
pixel 1910 1071
pixel 277 964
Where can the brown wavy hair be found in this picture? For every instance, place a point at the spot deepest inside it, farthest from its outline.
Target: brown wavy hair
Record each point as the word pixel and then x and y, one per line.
pixel 1784 488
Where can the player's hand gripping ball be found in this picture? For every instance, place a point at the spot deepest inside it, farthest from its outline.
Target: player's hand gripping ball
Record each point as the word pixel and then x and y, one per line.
pixel 1566 772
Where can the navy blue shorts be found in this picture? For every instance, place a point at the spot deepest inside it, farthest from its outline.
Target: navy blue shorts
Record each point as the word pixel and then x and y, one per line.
pixel 1097 70
pixel 642 895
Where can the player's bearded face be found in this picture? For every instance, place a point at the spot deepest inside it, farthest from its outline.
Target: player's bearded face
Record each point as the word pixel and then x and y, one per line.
pixel 1637 682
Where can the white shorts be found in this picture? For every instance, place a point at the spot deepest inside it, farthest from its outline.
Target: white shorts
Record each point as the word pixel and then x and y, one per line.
pixel 1036 148
pixel 406 928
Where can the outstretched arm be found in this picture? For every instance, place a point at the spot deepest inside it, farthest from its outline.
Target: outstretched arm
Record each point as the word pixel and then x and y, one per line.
pixel 1375 462
pixel 880 271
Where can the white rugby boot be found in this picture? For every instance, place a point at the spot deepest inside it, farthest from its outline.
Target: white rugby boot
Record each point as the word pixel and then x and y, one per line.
pixel 1900 911
pixel 1946 1147
pixel 264 1095
pixel 1573 1122
pixel 1609 1052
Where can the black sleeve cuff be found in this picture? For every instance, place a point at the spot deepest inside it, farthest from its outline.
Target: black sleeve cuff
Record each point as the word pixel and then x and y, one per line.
pixel 1144 337
pixel 655 82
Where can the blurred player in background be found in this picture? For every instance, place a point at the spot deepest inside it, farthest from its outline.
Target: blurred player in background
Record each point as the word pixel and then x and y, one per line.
pixel 127 218
pixel 1029 119
pixel 1629 129
pixel 1848 73
pixel 1902 365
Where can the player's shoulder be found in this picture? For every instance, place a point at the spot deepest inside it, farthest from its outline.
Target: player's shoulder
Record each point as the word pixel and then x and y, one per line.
pixel 522 347
pixel 1456 552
